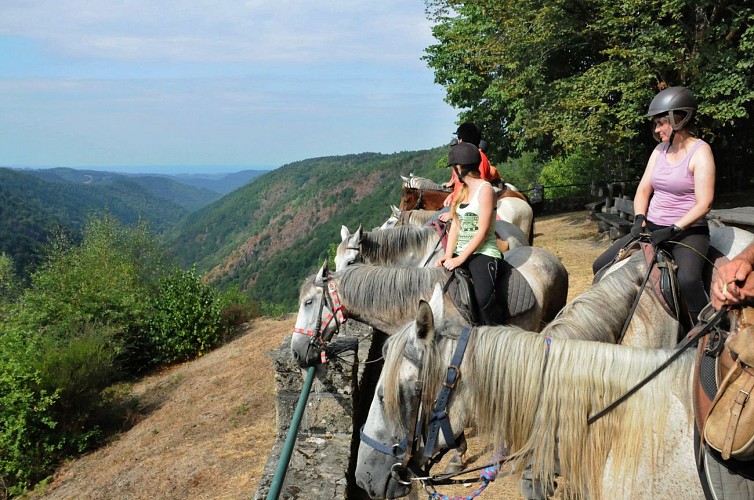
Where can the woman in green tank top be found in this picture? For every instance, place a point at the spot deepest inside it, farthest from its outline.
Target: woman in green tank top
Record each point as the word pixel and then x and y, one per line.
pixel 471 240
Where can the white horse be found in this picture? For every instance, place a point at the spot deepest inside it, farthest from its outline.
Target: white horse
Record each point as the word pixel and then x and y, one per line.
pixel 406 245
pixel 519 213
pixel 385 297
pixel 531 394
pixel 416 218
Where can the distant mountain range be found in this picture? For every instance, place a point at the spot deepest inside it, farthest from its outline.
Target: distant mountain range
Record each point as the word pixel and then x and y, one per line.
pixel 269 235
pixel 36 202
pixel 262 231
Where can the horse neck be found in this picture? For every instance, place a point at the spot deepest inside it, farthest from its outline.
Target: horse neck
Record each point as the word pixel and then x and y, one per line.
pixel 599 313
pixel 553 389
pixel 383 297
pixel 404 245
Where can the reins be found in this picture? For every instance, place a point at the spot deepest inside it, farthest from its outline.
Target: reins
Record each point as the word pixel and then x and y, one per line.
pixel 693 336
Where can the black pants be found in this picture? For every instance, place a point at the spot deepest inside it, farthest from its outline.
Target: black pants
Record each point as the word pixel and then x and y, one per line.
pixel 484 272
pixel 690 262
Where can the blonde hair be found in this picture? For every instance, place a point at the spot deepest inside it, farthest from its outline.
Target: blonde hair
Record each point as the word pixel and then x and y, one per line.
pixel 464 192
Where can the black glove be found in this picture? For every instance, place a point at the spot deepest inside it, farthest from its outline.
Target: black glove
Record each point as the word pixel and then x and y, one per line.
pixel 664 234
pixel 637 228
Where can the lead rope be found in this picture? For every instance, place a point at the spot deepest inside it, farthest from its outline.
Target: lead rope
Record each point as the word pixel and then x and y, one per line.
pixel 488 475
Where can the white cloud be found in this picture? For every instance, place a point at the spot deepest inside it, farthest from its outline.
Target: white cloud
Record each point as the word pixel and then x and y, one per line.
pixel 222 31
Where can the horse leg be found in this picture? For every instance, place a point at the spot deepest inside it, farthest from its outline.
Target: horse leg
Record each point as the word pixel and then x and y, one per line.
pixel 533 488
pixel 457 463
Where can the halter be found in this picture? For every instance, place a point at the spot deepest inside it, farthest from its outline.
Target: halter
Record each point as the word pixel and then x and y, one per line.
pixel 335 311
pixel 437 420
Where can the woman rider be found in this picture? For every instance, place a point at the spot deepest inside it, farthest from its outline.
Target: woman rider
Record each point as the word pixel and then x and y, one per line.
pixel 674 195
pixel 471 239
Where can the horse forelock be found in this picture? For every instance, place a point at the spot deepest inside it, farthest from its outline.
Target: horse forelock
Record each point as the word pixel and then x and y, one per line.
pixel 306 287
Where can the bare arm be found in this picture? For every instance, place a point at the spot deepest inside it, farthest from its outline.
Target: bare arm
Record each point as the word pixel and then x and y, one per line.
pixel 703 166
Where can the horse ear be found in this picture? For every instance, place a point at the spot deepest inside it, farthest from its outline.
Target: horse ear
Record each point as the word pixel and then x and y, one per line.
pixel 425 323
pixel 359 232
pixel 344 233
pixel 395 210
pixel 324 271
pixel 437 304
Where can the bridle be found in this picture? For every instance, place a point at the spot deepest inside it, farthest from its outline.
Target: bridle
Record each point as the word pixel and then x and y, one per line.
pixel 434 421
pixel 330 310
pixel 419 201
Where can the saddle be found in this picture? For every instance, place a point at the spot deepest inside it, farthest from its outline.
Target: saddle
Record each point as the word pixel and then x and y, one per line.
pixel 724 419
pixel 662 276
pixel 519 297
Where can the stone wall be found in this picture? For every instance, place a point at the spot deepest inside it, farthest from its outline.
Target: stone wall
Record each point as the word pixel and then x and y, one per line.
pixel 321 465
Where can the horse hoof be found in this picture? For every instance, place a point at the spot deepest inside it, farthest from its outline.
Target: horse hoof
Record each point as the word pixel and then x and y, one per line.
pixel 453 467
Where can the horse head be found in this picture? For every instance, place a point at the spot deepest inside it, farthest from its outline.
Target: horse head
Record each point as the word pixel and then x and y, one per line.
pixel 392 221
pixel 411 199
pixel 348 251
pixel 320 315
pixel 399 425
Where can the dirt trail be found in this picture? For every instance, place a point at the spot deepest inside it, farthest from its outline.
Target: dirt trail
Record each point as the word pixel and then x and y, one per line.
pixel 204 428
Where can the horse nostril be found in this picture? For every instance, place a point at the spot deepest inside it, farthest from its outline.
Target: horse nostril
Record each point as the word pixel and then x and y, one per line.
pixel 295 355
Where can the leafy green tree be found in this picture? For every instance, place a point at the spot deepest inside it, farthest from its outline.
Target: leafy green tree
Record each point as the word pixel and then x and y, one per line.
pixel 560 76
pixel 185 317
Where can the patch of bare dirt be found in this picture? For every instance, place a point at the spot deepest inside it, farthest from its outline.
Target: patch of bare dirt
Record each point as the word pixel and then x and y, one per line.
pixel 208 426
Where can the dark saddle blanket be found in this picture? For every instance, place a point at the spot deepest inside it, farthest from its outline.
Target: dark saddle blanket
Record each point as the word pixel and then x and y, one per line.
pixel 519 297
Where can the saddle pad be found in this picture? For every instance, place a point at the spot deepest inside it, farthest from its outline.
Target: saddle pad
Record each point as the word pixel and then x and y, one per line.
pixel 459 291
pixel 519 295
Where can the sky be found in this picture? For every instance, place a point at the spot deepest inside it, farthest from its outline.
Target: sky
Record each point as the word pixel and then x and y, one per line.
pixel 214 85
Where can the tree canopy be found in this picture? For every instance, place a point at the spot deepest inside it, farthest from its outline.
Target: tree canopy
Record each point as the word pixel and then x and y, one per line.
pixel 558 77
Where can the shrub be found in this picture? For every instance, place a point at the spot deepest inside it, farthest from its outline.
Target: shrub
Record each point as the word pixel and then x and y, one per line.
pixel 185 318
pixel 27 449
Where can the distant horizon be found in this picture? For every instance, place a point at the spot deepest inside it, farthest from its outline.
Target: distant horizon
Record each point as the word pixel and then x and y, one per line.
pixel 154 169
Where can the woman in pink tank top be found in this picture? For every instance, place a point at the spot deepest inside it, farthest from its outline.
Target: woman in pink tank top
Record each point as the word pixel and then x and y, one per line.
pixel 673 196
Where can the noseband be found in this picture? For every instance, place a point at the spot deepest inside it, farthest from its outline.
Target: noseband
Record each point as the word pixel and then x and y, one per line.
pixel 335 312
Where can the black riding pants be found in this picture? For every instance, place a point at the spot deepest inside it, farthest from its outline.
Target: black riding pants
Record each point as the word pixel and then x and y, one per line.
pixel 484 272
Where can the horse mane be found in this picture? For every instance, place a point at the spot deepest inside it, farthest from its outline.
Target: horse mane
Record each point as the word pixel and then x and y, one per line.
pixel 417 217
pixel 422 183
pixel 381 247
pixel 599 313
pixel 535 401
pixel 375 290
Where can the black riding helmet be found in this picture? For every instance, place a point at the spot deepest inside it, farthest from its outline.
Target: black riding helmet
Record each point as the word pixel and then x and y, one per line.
pixel 669 102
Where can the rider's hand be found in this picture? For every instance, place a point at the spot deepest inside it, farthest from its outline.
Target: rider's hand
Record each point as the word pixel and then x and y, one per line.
pixel 734 283
pixel 638 226
pixel 448 200
pixel 451 264
pixel 663 235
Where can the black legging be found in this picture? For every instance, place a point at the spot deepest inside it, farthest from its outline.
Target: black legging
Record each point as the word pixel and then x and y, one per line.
pixel 484 272
pixel 690 262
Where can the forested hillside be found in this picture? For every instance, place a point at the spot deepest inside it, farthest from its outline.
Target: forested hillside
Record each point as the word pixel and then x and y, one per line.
pixel 269 235
pixel 31 208
pixel 164 187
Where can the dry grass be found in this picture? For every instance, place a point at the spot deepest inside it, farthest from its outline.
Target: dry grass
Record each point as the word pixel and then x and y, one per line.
pixel 205 428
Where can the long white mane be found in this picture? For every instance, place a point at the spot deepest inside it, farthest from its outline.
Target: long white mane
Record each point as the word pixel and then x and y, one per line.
pixel 534 400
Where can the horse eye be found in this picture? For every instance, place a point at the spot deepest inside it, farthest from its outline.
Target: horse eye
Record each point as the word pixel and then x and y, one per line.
pixel 351 261
pixel 308 302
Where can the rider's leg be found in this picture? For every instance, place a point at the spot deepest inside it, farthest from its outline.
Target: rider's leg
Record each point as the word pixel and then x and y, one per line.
pixel 484 275
pixel 689 255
